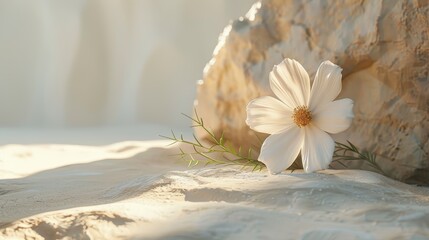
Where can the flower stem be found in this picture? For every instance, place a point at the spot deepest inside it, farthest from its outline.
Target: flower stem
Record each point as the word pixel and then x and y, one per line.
pixel 202 151
pixel 349 152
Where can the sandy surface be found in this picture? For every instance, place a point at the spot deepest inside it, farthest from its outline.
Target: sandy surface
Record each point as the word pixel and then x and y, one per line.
pixel 138 190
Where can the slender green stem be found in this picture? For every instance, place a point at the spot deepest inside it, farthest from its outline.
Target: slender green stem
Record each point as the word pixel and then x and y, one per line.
pixel 349 152
pixel 203 151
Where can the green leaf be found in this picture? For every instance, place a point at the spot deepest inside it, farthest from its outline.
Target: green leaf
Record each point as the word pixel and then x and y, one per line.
pixel 218 145
pixel 350 152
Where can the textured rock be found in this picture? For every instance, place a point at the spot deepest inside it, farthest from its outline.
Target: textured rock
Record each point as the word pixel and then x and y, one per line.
pixel 383 47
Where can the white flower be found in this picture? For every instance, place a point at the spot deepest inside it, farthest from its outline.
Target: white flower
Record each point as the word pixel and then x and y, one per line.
pixel 300 119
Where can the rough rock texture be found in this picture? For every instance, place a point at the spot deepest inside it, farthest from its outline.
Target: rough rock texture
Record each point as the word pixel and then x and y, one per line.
pixel 383 47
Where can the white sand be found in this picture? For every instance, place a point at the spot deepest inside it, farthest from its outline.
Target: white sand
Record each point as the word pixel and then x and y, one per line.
pixel 137 190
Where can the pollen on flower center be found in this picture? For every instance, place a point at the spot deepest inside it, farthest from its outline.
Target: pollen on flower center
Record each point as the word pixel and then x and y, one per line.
pixel 301 116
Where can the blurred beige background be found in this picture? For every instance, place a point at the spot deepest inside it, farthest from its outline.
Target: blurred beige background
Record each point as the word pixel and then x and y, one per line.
pixel 83 63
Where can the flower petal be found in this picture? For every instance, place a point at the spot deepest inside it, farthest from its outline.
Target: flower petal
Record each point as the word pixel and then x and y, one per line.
pixel 268 115
pixel 317 149
pixel 334 117
pixel 326 85
pixel 279 151
pixel 290 83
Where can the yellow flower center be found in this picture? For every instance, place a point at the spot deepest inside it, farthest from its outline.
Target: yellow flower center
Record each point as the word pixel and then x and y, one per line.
pixel 301 116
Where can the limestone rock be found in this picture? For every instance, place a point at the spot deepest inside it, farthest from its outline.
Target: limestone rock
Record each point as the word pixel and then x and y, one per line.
pixel 383 47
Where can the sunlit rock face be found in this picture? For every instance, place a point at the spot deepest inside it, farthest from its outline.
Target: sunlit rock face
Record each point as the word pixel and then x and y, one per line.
pixel 383 48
